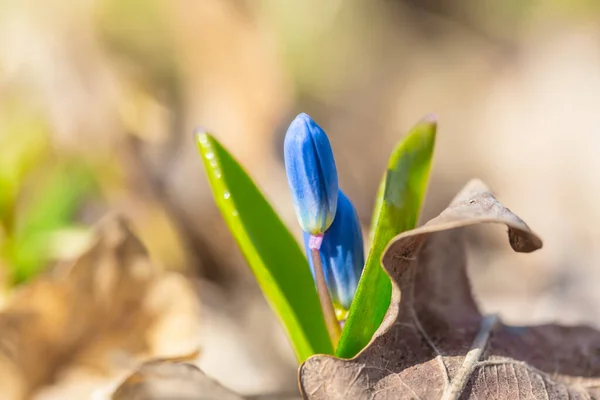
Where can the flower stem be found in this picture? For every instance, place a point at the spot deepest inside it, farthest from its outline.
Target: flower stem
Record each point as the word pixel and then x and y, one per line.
pixel 331 322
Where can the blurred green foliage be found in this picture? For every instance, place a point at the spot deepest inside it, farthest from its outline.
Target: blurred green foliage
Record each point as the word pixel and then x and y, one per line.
pixel 40 195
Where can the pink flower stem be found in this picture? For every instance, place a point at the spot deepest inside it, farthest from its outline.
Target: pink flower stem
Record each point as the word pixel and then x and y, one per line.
pixel 331 322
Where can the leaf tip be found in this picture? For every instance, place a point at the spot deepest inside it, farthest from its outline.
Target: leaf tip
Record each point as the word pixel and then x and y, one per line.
pixel 430 119
pixel 201 134
pixel 204 140
pixel 426 127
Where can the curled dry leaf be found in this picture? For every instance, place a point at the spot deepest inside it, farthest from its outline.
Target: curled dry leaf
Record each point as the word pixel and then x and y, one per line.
pixel 94 319
pixel 173 378
pixel 170 379
pixel 435 344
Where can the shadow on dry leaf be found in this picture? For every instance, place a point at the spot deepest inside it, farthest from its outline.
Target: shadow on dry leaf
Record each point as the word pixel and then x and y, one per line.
pixel 435 344
pixel 94 320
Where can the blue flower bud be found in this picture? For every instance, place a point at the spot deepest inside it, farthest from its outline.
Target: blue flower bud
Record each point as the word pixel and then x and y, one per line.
pixel 311 173
pixel 342 254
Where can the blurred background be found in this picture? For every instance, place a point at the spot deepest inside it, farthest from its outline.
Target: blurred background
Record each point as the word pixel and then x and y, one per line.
pixel 99 99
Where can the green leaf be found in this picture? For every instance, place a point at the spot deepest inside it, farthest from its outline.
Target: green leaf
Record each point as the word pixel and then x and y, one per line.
pixel 397 210
pixel 52 206
pixel 271 251
pixel 24 143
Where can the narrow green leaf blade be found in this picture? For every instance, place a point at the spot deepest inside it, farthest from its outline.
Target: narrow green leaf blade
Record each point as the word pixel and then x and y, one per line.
pixel 397 210
pixel 271 251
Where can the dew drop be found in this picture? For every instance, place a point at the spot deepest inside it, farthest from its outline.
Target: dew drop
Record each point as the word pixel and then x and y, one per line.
pixel 226 195
pixel 203 139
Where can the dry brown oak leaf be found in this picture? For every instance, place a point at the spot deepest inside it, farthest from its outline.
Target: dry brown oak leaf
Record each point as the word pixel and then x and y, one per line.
pixel 92 319
pixel 435 344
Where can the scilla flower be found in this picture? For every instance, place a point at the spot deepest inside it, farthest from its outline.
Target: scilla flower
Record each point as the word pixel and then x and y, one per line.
pixel 311 174
pixel 342 254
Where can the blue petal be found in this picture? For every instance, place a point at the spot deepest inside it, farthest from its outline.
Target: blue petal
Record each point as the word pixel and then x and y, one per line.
pixel 342 253
pixel 312 175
